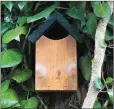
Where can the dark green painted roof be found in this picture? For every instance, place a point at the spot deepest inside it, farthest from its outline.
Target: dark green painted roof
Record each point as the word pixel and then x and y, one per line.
pixel 53 18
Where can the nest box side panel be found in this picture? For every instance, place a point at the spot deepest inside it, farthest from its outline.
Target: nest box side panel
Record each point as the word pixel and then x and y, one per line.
pixel 56 64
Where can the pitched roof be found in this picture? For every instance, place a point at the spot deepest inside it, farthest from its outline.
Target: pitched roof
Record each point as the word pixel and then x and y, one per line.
pixel 53 18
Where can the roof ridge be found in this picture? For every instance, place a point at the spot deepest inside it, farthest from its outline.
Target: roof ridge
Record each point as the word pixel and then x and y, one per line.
pixel 56 16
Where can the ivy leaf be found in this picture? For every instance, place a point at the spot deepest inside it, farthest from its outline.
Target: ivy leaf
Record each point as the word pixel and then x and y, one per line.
pixel 91 25
pixel 104 107
pixel 30 85
pixel 4 46
pixel 22 103
pixel 108 35
pixel 76 14
pixel 109 80
pixel 111 23
pixel 103 44
pixel 78 5
pixel 93 3
pixel 17 38
pixel 108 38
pixel 12 34
pixel 102 10
pixel 22 20
pixel 21 4
pixel 4 27
pixel 10 58
pixel 16 105
pixel 27 9
pixel 21 75
pixel 9 98
pixel 98 84
pixel 32 102
pixel 43 14
pixel 8 4
pixel 97 105
pixel 110 93
pixel 5 85
pixel 85 66
pixel 7 18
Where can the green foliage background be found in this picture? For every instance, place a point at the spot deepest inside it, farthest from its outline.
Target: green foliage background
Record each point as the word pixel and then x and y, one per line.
pixel 19 20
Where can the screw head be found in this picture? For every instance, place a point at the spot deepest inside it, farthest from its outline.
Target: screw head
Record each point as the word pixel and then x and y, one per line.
pixel 47 85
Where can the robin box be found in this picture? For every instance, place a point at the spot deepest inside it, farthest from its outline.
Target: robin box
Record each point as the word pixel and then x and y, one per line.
pixel 55 54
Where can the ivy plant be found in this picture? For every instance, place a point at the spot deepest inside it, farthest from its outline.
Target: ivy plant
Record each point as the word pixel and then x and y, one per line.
pixel 19 19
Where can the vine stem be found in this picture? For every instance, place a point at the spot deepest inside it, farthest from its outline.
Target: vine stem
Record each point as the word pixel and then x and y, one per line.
pixel 45 107
pixel 61 8
pixel 99 54
pixel 28 95
pixel 25 40
pixel 23 47
pixel 106 103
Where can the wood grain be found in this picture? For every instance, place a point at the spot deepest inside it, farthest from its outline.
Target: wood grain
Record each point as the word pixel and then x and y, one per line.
pixel 56 64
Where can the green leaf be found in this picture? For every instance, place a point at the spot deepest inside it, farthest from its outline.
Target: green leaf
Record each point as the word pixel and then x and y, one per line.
pixel 43 14
pixel 21 4
pixel 22 20
pixel 104 107
pixel 76 14
pixel 8 4
pixel 108 38
pixel 29 85
pixel 12 34
pixel 21 75
pixel 10 58
pixel 111 23
pixel 32 102
pixel 22 103
pixel 98 84
pixel 93 3
pixel 103 44
pixel 4 46
pixel 7 18
pixel 27 9
pixel 109 80
pixel 16 105
pixel 97 105
pixel 78 5
pixel 5 85
pixel 91 25
pixel 108 32
pixel 102 10
pixel 110 93
pixel 108 35
pixel 9 98
pixel 85 66
pixel 4 27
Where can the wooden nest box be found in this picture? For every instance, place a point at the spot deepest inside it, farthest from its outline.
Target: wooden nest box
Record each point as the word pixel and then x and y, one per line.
pixel 56 56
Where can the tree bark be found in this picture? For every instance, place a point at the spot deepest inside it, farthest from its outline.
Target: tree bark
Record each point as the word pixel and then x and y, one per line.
pixel 97 64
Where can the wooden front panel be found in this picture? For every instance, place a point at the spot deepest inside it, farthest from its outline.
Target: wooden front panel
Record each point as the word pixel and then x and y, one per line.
pixel 56 64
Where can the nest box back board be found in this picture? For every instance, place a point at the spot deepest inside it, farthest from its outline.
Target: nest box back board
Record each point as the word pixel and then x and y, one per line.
pixel 55 60
pixel 56 64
